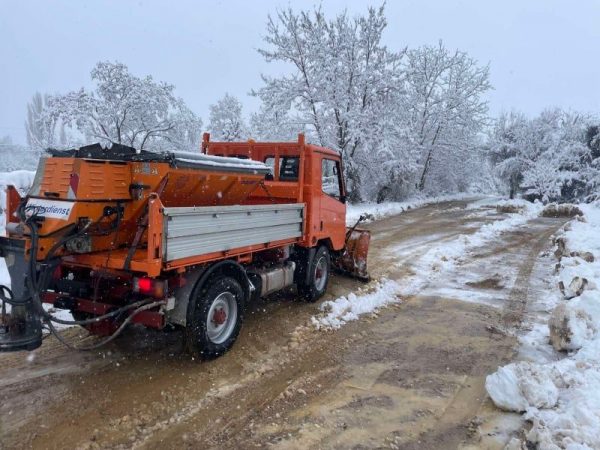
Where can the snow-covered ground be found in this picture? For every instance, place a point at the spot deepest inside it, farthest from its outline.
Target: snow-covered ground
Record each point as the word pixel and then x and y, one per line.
pixel 447 255
pixel 438 261
pixel 557 386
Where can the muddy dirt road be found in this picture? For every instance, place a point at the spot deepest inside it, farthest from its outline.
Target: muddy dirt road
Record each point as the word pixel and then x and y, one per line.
pixel 410 376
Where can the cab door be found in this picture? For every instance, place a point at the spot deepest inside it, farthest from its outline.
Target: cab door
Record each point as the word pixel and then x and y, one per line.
pixel 333 209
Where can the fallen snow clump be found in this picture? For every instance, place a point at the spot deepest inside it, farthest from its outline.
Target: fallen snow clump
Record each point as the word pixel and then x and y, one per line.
pixel 346 309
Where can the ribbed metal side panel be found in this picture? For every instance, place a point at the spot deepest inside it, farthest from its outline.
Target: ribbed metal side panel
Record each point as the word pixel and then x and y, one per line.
pixel 199 230
pixel 56 177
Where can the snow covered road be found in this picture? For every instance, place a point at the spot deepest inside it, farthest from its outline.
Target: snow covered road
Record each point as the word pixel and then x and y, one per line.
pixel 410 375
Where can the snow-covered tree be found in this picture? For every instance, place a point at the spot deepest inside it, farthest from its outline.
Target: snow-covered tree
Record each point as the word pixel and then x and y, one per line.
pixel 560 163
pixel 402 120
pixel 343 81
pixel 271 124
pixel 592 139
pixel 226 122
pixel 16 157
pixel 41 132
pixel 445 111
pixel 129 110
pixel 506 143
pixel 550 157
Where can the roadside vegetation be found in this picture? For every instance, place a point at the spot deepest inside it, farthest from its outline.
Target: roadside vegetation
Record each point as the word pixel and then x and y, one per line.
pixel 409 122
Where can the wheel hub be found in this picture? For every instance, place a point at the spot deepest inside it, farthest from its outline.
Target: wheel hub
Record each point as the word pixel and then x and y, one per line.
pixel 219 317
pixel 321 273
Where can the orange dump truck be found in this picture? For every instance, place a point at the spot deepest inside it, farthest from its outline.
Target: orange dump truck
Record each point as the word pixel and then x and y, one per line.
pixel 119 236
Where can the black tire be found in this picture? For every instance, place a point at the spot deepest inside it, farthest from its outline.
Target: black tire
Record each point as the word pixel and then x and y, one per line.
pixel 201 335
pixel 313 288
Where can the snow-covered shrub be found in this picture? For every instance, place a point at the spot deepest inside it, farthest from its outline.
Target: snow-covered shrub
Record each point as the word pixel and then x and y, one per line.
pixel 404 121
pixel 562 210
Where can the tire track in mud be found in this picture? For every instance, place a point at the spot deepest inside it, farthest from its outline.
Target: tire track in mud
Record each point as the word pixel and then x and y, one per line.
pixel 513 311
pixel 466 399
pixel 455 422
pixel 458 421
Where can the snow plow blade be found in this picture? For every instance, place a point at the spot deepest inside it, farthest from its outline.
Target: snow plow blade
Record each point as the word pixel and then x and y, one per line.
pixel 353 259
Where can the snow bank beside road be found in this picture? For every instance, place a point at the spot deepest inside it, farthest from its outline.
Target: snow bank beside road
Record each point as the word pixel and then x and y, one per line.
pixel 22 179
pixel 378 211
pixel 562 398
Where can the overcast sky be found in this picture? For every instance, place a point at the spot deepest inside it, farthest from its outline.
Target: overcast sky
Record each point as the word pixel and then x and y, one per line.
pixel 542 52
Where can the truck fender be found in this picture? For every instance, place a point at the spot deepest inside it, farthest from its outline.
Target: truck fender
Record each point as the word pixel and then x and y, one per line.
pixel 197 278
pixel 178 315
pixel 303 261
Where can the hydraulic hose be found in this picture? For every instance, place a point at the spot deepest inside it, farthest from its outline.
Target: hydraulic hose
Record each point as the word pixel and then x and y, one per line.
pixel 113 336
pixel 36 282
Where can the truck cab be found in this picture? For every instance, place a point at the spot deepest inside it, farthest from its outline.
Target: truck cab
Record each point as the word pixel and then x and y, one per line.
pixel 300 172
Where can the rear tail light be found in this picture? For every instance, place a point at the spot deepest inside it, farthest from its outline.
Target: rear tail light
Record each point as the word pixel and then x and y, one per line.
pixel 150 286
pixel 57 274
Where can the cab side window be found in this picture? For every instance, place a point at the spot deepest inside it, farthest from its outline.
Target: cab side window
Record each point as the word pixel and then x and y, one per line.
pixel 331 179
pixel 270 161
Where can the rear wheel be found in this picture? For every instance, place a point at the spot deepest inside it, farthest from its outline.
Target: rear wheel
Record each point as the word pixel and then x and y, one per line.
pixel 214 317
pixel 318 270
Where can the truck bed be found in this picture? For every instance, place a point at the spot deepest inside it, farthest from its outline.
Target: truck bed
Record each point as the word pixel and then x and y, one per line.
pixel 182 236
pixel 194 231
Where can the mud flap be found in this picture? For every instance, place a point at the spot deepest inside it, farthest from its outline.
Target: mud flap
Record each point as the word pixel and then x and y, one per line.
pixel 353 259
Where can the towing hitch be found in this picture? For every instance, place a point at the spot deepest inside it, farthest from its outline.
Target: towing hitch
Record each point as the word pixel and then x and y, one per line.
pixel 21 327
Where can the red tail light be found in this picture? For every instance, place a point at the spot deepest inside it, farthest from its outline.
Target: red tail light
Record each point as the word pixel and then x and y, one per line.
pixel 58 273
pixel 150 286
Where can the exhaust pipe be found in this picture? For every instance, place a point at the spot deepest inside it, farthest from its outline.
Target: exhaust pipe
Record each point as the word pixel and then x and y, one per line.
pixel 21 328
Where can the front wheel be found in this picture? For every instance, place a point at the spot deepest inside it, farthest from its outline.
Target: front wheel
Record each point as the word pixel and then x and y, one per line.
pixel 318 276
pixel 214 317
